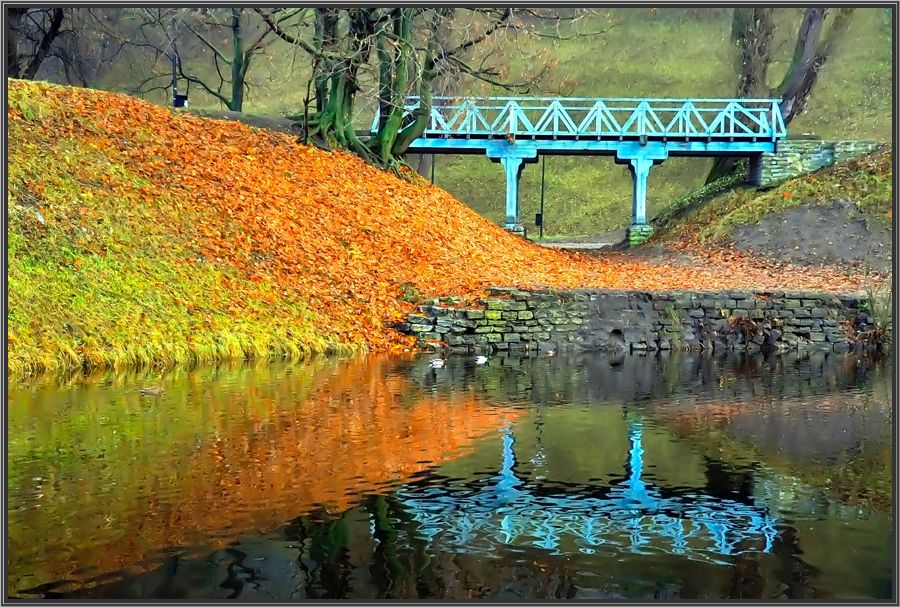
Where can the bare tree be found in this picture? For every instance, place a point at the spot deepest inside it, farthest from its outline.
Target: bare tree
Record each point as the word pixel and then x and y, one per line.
pixel 752 31
pixel 226 40
pixel 30 34
pixel 384 55
pixel 87 47
pixel 247 37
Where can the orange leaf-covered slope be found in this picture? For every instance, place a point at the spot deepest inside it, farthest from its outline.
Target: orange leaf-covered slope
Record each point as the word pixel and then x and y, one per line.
pixel 345 233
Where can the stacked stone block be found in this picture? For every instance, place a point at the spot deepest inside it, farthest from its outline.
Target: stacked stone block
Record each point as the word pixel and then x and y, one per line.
pixel 796 157
pixel 588 319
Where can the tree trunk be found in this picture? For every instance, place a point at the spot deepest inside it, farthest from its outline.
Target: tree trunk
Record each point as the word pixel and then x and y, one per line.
pixel 56 19
pixel 238 70
pixel 326 23
pixel 422 163
pixel 423 114
pixel 13 23
pixel 385 78
pixel 752 31
pixel 393 98
pixel 809 57
pixel 803 61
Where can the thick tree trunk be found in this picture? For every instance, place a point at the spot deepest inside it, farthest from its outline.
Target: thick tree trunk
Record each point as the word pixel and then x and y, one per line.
pixel 326 41
pixel 752 31
pixel 393 98
pixel 423 114
pixel 803 61
pixel 809 57
pixel 13 24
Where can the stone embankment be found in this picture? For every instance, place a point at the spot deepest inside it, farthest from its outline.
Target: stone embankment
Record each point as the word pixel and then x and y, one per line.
pixel 589 319
pixel 797 157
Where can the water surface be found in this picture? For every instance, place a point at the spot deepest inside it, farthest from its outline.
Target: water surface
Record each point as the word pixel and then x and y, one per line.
pixel 586 476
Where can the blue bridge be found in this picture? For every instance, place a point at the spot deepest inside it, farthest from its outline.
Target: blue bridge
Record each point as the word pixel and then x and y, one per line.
pixel 638 132
pixel 633 516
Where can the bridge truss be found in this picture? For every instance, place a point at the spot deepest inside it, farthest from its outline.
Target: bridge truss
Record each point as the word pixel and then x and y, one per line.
pixel 638 132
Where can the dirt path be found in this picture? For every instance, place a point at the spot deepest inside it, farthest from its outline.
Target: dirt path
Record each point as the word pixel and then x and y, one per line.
pixel 810 235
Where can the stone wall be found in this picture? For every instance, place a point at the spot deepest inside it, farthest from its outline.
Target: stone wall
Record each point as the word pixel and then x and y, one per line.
pixel 576 320
pixel 795 157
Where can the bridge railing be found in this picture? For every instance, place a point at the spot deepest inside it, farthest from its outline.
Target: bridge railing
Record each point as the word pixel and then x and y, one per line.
pixel 572 117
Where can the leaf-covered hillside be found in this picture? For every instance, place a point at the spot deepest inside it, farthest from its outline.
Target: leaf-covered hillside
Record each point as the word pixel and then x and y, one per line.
pixel 140 236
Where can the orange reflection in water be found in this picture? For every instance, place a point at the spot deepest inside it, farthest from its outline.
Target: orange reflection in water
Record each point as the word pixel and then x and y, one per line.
pixel 354 435
pixel 361 429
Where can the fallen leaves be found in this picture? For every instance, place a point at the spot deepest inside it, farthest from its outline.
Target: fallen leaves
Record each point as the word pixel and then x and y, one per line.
pixel 352 240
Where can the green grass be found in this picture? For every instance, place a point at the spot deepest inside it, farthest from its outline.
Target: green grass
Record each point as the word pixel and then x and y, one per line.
pixel 649 52
pixel 711 217
pixel 108 279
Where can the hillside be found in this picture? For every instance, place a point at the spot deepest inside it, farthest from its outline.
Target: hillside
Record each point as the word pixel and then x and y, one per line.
pixel 838 216
pixel 138 236
pixel 682 53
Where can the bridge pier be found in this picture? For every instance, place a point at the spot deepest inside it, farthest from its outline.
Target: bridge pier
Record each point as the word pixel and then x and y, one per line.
pixel 640 158
pixel 512 166
pixel 513 157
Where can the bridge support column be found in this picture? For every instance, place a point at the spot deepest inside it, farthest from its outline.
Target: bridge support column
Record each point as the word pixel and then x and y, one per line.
pixel 640 159
pixel 513 157
pixel 513 168
pixel 640 230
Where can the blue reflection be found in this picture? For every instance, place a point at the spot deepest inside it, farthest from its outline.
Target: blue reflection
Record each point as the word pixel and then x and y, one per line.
pixel 633 516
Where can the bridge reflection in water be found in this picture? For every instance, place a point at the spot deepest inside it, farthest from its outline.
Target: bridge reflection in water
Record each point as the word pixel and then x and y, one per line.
pixel 631 515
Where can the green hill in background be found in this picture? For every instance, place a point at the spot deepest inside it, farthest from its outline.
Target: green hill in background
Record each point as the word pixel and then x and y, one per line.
pixel 646 53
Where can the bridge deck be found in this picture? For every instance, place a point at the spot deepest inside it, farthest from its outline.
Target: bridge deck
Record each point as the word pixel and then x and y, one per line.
pixel 573 119
pixel 639 132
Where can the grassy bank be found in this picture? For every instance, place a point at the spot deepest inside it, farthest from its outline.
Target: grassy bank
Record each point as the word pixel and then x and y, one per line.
pixel 102 271
pixel 866 182
pixel 644 52
pixel 140 236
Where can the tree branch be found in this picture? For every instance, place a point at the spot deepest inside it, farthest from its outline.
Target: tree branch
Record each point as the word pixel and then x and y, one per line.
pixel 209 44
pixel 501 21
pixel 40 54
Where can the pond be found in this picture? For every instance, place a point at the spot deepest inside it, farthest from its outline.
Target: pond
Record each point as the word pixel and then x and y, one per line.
pixel 595 477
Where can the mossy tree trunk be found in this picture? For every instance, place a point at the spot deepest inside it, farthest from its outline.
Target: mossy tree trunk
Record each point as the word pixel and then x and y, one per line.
pixel 336 78
pixel 406 45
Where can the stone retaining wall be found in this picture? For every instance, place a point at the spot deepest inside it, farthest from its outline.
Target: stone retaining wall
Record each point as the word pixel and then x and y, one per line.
pixel 574 320
pixel 796 157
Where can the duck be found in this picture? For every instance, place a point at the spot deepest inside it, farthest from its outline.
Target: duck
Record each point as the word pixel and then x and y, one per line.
pixel 480 360
pixel 152 391
pixel 436 363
